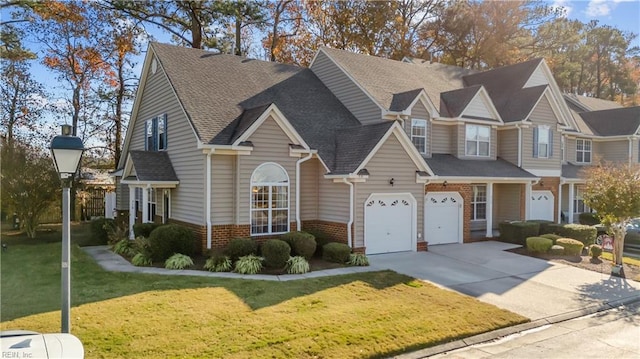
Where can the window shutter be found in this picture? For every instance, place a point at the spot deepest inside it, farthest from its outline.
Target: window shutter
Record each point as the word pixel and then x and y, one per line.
pixel 146 138
pixel 535 142
pixel 155 133
pixel 165 132
pixel 550 143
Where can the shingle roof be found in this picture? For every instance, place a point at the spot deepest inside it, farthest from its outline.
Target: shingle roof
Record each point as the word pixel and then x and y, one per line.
pixel 520 103
pixel 382 78
pixel 453 102
pixel 615 122
pixel 402 100
pixel 449 165
pixel 354 144
pixel 153 166
pixel 583 103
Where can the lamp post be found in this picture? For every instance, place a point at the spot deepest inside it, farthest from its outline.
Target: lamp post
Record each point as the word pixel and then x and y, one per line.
pixel 66 150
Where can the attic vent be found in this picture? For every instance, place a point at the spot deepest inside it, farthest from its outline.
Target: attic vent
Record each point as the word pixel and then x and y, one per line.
pixel 154 66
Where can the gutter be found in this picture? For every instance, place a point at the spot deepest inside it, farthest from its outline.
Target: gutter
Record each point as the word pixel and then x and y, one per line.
pixel 298 162
pixel 350 224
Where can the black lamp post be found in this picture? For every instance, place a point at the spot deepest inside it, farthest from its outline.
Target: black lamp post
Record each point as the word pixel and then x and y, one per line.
pixel 66 150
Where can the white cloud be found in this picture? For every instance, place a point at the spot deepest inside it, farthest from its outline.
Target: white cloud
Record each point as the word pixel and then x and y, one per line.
pixel 597 8
pixel 564 4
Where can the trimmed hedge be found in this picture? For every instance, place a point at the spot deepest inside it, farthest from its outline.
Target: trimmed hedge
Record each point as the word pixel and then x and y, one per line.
pixel 276 252
pixel 240 247
pixel 571 246
pixel 518 232
pixel 553 228
pixel 336 252
pixel 551 236
pixel 595 251
pixel 539 244
pixel 589 219
pixel 585 234
pixel 100 229
pixel 556 250
pixel 169 239
pixel 144 229
pixel 321 237
pixel 544 225
pixel 302 243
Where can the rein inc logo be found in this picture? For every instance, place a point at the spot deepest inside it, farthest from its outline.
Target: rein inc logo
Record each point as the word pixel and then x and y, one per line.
pixel 24 344
pixel 19 350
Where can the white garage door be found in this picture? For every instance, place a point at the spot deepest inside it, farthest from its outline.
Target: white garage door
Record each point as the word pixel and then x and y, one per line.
pixel 542 205
pixel 389 223
pixel 443 217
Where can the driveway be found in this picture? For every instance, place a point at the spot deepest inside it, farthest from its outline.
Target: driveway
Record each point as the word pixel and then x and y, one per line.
pixel 532 287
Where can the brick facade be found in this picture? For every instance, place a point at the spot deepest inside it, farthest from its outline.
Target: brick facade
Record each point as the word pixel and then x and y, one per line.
pixel 466 191
pixel 336 232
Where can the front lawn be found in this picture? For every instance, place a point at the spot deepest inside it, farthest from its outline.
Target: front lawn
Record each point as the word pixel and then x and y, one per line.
pixel 119 315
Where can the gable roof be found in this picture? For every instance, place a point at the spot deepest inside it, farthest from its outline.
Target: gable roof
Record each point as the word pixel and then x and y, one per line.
pixel 580 103
pixel 382 78
pixel 453 102
pixel 401 101
pixel 354 144
pixel 615 122
pixel 505 80
pixel 152 166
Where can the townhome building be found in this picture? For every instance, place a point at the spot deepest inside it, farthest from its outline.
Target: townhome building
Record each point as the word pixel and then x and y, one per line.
pixel 380 154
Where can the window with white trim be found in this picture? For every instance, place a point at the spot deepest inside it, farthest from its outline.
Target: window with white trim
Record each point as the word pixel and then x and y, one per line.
pixel 478 140
pixel 583 150
pixel 542 142
pixel 151 205
pixel 419 134
pixel 578 202
pixel 479 203
pixel 155 131
pixel 138 199
pixel 269 213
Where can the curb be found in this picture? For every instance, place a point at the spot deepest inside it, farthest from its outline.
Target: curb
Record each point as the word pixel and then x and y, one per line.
pixel 503 332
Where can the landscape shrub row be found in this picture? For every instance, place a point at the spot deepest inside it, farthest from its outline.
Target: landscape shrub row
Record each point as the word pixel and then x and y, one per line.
pixel 518 232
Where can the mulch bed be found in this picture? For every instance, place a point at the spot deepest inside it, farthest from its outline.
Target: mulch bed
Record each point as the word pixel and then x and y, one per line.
pixel 599 265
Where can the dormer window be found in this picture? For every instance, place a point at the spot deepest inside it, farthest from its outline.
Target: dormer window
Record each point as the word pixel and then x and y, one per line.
pixel 478 140
pixel 156 134
pixel 583 150
pixel 419 134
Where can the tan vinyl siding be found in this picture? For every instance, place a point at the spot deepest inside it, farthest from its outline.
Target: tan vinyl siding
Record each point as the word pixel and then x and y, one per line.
pixel 223 181
pixel 310 172
pixel 333 200
pixel 479 107
pixel 158 98
pixel 508 145
pixel 351 96
pixel 634 152
pixel 391 160
pixel 537 78
pixel 122 195
pixel 612 151
pixel 419 111
pixel 541 115
pixel 442 139
pixel 461 140
pixel 506 202
pixel 570 149
pixel 270 144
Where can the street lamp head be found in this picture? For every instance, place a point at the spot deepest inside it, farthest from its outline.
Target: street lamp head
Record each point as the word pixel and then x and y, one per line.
pixel 66 151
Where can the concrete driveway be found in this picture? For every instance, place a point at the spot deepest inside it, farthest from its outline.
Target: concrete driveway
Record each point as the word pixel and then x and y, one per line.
pixel 532 287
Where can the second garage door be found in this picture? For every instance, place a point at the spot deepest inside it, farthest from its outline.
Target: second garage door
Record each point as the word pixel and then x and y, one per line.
pixel 389 223
pixel 443 217
pixel 542 205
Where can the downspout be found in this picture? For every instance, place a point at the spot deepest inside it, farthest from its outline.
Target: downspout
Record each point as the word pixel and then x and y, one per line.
pixel 519 145
pixel 630 150
pixel 298 162
pixel 208 198
pixel 350 224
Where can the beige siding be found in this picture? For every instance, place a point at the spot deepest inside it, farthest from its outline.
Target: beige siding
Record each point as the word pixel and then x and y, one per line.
pixel 310 172
pixel 122 195
pixel 158 98
pixel 391 160
pixel 508 145
pixel 353 98
pixel 613 151
pixel 541 115
pixel 537 78
pixel 506 203
pixel 570 149
pixel 442 139
pixel 419 111
pixel 461 141
pixel 333 200
pixel 223 204
pixel 270 144
pixel 635 152
pixel 479 107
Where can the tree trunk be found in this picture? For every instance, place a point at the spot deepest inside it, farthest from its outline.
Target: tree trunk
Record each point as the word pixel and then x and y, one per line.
pixel 619 232
pixel 238 37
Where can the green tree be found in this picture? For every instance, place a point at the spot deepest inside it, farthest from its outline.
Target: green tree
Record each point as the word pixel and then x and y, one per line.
pixel 613 191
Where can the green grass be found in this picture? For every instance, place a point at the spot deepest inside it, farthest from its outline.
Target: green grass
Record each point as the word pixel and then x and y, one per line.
pixel 626 260
pixel 127 315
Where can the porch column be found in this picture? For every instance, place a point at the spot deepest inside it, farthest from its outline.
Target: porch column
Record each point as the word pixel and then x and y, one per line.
pixel 489 214
pixel 132 210
pixel 571 195
pixel 559 219
pixel 145 205
pixel 527 201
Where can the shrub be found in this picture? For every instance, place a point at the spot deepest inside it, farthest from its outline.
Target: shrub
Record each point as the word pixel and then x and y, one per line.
pixel 589 219
pixel 218 263
pixel 585 234
pixel 551 236
pixel 143 245
pixel 100 229
pixel 358 259
pixel 556 250
pixel 544 225
pixel 572 247
pixel 240 247
pixel 249 264
pixel 169 239
pixel 116 234
pixel 297 265
pixel 178 261
pixel 595 251
pixel 276 252
pixel 336 252
pixel 518 232
pixel 144 229
pixel 125 248
pixel 321 237
pixel 554 228
pixel 301 243
pixel 141 260
pixel 539 244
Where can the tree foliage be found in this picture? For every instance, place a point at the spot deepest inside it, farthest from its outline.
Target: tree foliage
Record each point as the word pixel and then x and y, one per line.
pixel 613 191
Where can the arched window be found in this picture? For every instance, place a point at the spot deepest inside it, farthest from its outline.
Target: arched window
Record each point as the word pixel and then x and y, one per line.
pixel 269 212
